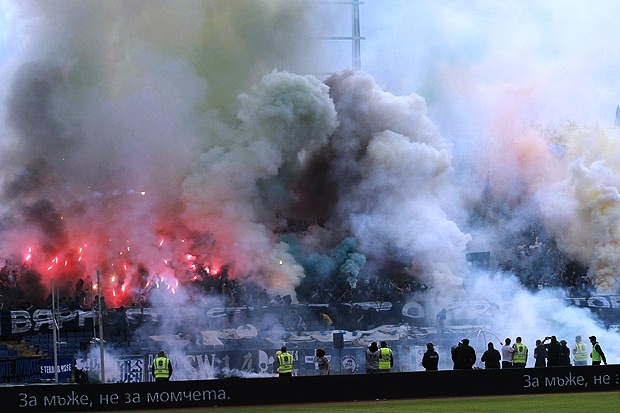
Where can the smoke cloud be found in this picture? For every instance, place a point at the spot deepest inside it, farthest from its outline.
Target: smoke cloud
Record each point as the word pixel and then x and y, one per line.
pixel 159 141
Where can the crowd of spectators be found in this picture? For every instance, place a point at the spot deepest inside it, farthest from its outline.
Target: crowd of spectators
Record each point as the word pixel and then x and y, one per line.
pixel 395 287
pixel 541 265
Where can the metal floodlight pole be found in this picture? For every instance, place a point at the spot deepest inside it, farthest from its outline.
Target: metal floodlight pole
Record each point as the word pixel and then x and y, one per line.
pixel 54 333
pixel 355 31
pixel 355 34
pixel 92 302
pixel 100 317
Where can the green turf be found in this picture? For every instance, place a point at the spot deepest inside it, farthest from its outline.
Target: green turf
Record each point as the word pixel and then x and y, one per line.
pixel 561 403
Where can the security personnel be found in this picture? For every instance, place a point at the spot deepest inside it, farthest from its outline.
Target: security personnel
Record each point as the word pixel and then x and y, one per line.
pixel 285 363
pixel 580 352
pixel 597 352
pixel 276 366
pixel 162 367
pixel 430 360
pixel 386 358
pixel 519 357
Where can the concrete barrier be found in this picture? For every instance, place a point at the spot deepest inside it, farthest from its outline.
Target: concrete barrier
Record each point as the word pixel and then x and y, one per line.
pixel 259 391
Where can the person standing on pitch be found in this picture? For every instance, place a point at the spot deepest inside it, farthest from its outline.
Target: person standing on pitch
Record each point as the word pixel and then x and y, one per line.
pixel 580 353
pixel 491 357
pixel 162 367
pixel 540 354
pixel 285 363
pixel 430 360
pixel 386 358
pixel 564 354
pixel 597 352
pixel 519 357
pixel 322 362
pixel 507 353
pixel 463 355
pixel 372 358
pixel 554 348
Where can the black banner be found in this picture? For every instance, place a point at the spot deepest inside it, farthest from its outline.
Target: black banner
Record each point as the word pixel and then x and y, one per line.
pixel 16 323
pixel 257 391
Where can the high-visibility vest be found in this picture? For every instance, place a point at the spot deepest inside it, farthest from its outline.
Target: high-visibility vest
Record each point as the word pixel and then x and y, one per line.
pixel 595 354
pixel 520 354
pixel 385 358
pixel 285 362
pixel 161 367
pixel 581 354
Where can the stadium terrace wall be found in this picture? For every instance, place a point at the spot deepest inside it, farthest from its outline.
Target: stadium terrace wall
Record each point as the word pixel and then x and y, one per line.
pixel 17 323
pixel 261 391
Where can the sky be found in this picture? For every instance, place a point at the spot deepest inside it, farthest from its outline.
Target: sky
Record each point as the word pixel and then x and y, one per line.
pixel 143 138
pixel 543 62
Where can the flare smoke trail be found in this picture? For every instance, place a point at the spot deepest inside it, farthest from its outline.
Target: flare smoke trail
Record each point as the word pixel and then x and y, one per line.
pixel 143 139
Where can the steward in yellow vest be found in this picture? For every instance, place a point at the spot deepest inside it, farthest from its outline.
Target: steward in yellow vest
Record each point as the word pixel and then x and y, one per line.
pixel 580 353
pixel 162 367
pixel 597 352
pixel 519 356
pixel 386 358
pixel 285 363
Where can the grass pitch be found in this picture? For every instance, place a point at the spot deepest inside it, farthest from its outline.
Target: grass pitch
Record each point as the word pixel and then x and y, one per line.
pixel 564 403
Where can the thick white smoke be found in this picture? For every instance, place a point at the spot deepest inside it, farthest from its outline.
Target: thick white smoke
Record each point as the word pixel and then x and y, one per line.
pixel 144 138
pixel 285 115
pixel 393 163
